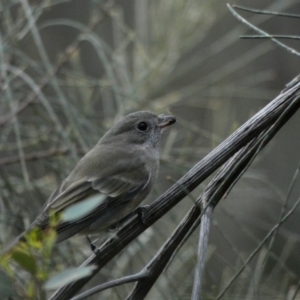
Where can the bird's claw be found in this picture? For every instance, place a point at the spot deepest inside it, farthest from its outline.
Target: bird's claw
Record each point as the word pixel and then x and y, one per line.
pixel 141 213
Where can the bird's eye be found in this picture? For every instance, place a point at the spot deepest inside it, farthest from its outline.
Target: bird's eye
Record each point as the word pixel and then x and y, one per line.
pixel 142 126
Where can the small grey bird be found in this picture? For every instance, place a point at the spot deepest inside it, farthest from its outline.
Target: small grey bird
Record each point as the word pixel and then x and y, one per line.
pixel 122 167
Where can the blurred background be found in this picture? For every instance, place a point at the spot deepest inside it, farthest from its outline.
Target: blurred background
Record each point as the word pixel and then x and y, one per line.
pixel 71 69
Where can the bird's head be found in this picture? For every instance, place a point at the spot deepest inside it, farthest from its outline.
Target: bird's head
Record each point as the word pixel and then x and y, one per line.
pixel 142 127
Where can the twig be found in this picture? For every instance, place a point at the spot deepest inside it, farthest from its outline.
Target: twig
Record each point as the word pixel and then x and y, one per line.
pixel 266 12
pixel 202 247
pixel 127 279
pixel 240 18
pixel 271 36
pixel 283 209
pixel 271 232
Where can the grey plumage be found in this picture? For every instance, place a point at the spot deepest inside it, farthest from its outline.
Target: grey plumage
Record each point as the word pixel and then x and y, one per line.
pixel 122 166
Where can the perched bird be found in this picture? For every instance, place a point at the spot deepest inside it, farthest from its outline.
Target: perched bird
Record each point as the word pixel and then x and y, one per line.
pixel 122 167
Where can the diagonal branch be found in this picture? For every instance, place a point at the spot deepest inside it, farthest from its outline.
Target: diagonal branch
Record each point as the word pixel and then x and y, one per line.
pixel 251 129
pixel 127 279
pixel 214 192
pixel 236 168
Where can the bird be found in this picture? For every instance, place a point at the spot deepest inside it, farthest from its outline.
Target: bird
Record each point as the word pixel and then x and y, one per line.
pixel 121 168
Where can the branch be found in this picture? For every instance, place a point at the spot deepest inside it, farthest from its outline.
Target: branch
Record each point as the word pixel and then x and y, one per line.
pixel 266 12
pixel 244 159
pixel 251 129
pixel 127 279
pixel 271 36
pixel 211 196
pixel 162 257
pixel 243 20
pixel 202 246
pixel 255 251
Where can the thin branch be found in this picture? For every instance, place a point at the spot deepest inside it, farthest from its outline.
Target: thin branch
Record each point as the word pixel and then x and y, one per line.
pixel 271 36
pixel 266 12
pixel 251 256
pixel 162 257
pixel 240 18
pixel 283 209
pixel 127 279
pixel 202 247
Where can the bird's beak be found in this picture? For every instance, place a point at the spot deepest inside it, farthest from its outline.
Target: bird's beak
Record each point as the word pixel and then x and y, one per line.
pixel 165 121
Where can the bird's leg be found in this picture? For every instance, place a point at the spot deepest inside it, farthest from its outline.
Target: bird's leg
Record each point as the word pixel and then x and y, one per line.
pixel 140 211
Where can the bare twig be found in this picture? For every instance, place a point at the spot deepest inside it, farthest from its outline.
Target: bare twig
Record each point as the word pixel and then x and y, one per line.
pixel 271 36
pixel 240 18
pixel 266 12
pixel 252 255
pixel 283 209
pixel 127 279
pixel 202 247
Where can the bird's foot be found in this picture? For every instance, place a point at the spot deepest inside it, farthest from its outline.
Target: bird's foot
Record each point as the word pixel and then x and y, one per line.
pixel 141 213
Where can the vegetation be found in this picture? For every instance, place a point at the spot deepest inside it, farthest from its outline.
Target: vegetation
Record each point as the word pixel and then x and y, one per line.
pixel 69 69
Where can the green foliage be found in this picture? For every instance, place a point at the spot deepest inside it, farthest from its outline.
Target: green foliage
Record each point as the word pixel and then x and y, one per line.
pixel 25 260
pixel 32 255
pixel 70 69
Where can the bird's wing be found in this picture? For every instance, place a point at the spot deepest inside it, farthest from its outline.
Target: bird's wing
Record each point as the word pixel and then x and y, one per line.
pixel 117 189
pixel 111 186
